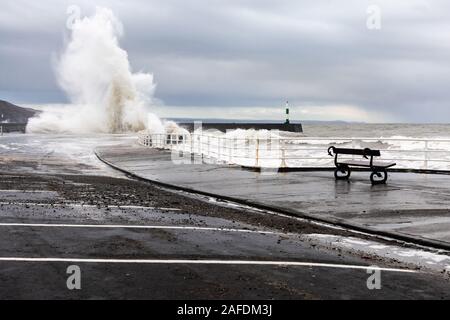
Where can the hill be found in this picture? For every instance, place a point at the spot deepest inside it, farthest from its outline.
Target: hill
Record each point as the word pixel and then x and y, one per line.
pixel 15 114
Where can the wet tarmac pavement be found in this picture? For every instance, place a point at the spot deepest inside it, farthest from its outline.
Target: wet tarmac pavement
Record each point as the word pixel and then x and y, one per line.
pixel 57 154
pixel 140 258
pixel 133 239
pixel 411 206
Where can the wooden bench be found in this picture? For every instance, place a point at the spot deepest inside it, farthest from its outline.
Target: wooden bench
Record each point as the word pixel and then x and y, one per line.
pixel 343 167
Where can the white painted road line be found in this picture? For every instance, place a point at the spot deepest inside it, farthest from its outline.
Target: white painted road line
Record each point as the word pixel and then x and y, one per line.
pixel 124 226
pixel 27 191
pixel 207 262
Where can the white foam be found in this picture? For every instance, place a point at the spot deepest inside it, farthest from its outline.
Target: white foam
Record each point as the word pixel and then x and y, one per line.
pixel 432 260
pixel 106 96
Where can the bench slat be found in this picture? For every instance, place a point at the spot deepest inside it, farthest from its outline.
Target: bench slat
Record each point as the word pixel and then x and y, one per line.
pixel 377 164
pixel 360 152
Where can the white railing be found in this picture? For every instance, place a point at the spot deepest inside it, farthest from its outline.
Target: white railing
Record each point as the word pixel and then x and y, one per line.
pixel 301 152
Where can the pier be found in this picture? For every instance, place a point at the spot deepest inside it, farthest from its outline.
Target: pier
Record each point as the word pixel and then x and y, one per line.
pixel 220 126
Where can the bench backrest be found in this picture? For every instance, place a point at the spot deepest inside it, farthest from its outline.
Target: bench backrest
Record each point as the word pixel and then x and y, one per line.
pixel 360 152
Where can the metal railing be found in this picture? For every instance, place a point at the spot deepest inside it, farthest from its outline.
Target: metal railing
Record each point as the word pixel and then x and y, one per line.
pixel 301 152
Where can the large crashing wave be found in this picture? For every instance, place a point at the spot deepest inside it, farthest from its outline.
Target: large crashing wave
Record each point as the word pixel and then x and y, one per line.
pixel 95 73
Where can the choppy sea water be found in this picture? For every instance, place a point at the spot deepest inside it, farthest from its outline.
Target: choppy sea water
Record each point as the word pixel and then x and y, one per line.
pixel 378 130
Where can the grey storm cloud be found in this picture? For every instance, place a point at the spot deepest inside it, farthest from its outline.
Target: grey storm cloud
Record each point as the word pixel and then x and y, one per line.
pixel 253 53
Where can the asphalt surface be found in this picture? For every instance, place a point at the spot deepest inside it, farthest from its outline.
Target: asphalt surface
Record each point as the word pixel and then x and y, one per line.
pixel 136 240
pixel 412 207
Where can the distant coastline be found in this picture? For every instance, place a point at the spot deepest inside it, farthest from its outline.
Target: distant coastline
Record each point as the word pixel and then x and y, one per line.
pixel 11 113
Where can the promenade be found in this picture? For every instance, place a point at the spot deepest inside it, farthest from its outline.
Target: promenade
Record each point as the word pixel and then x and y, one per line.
pixel 411 207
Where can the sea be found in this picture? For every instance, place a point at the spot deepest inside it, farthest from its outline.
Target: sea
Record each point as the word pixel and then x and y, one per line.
pixel 414 131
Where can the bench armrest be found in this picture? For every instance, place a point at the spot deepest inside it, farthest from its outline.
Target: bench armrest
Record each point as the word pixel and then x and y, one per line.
pixel 331 150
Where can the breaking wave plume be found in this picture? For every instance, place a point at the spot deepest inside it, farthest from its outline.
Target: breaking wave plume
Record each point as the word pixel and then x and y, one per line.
pixel 105 95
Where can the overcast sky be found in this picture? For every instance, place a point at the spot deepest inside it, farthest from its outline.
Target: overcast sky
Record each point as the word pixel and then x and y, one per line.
pixel 242 59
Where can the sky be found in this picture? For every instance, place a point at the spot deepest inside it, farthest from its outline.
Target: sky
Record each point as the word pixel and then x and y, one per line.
pixel 354 60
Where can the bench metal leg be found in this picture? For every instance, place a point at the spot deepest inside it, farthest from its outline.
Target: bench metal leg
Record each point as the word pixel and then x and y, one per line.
pixel 342 173
pixel 379 176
